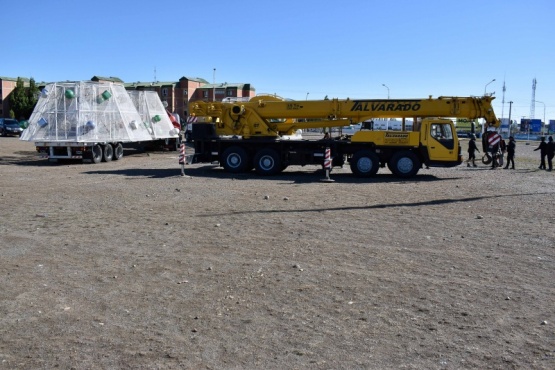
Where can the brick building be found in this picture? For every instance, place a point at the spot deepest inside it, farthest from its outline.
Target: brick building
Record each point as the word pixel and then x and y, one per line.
pixel 7 85
pixel 179 94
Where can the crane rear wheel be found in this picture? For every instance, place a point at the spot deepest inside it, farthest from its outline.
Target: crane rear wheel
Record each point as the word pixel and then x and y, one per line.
pixel 365 163
pixel 405 164
pixel 267 162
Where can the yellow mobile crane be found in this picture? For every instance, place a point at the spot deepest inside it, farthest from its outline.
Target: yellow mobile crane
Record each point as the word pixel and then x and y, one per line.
pixel 254 134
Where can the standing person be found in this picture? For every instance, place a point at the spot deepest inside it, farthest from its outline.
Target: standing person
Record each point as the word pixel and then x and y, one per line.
pixel 472 148
pixel 511 153
pixel 503 149
pixel 550 152
pixel 542 148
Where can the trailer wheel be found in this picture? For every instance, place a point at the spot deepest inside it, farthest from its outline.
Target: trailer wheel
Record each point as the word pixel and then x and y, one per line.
pixel 235 159
pixel 365 163
pixel 118 151
pixel 108 153
pixel 96 153
pixel 267 162
pixel 404 164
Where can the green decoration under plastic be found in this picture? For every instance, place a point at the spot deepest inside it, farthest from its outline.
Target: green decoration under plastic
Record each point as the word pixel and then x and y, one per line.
pixel 106 95
pixel 156 118
pixel 70 94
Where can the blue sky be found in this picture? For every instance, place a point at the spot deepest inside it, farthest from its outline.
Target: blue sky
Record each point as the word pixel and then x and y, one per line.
pixel 341 49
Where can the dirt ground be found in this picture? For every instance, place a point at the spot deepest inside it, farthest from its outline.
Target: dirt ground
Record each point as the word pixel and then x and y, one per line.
pixel 128 264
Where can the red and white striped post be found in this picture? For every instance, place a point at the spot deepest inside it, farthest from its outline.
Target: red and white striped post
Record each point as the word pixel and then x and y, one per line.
pixel 182 158
pixel 327 165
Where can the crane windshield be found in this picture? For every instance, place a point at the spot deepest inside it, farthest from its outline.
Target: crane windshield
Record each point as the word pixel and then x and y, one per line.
pixel 443 133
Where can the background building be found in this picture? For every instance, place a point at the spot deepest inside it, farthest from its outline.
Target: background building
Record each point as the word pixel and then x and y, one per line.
pixel 7 85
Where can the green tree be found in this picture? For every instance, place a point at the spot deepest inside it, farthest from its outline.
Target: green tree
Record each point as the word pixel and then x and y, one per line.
pixel 33 96
pixel 23 99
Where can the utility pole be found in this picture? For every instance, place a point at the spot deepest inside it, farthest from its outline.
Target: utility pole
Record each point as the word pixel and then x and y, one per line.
pixel 544 123
pixel 533 104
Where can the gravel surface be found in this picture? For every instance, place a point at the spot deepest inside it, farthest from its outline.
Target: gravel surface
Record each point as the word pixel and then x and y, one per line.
pixel 128 264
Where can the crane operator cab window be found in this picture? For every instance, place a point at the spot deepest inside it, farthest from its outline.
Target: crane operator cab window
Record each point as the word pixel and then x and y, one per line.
pixel 443 133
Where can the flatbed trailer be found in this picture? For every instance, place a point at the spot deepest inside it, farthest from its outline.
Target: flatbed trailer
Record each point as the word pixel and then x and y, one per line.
pixel 96 152
pixel 95 121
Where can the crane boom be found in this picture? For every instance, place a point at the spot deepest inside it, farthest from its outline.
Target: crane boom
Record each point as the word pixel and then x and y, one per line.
pixel 270 116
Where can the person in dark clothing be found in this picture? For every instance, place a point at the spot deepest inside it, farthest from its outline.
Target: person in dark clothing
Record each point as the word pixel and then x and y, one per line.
pixel 503 149
pixel 550 152
pixel 472 148
pixel 511 153
pixel 542 148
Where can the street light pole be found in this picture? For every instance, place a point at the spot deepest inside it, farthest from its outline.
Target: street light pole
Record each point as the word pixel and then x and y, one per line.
pixel 544 123
pixel 510 106
pixel 384 85
pixel 307 96
pixel 214 85
pixel 485 87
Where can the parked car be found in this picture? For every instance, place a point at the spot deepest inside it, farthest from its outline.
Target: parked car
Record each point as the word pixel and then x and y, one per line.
pixel 10 126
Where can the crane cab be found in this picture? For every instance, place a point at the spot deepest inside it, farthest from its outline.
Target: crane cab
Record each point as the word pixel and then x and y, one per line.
pixel 440 142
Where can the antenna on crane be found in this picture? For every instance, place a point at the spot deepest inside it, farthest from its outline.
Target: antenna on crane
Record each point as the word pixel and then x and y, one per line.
pixel 533 104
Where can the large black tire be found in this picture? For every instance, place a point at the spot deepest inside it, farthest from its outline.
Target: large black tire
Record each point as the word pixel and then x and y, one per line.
pixel 118 152
pixel 235 159
pixel 365 163
pixel 96 154
pixel 267 162
pixel 404 164
pixel 108 153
